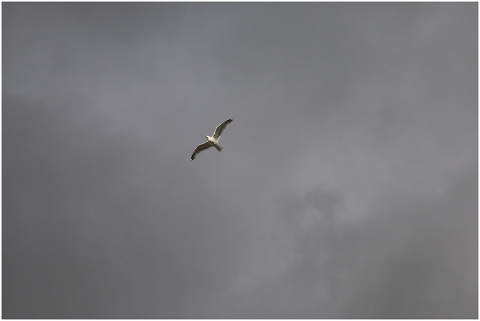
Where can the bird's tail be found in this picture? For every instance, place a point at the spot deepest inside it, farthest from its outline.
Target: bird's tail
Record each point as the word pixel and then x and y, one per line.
pixel 218 147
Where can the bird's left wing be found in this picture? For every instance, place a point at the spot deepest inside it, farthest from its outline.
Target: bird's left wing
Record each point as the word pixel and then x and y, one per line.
pixel 200 148
pixel 220 128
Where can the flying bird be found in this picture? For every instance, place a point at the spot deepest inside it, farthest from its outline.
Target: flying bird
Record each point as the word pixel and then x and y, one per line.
pixel 212 141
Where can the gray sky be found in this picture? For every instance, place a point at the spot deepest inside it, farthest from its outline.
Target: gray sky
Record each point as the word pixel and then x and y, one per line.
pixel 347 187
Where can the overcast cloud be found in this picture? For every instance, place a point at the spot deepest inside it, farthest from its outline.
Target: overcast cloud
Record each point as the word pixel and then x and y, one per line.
pixel 347 187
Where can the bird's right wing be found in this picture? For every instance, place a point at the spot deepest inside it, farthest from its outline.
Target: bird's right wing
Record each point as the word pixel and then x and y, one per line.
pixel 200 148
pixel 220 128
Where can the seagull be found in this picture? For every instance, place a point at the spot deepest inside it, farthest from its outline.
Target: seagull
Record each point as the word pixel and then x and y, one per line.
pixel 212 141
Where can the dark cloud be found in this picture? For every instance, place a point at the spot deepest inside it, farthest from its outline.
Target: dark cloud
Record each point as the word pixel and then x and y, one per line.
pixel 388 266
pixel 85 235
pixel 347 187
pixel 416 245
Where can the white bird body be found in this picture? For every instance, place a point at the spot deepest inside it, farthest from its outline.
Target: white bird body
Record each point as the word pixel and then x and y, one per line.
pixel 212 140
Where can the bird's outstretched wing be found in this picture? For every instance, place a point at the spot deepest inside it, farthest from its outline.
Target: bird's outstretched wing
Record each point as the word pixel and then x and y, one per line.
pixel 220 128
pixel 200 148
